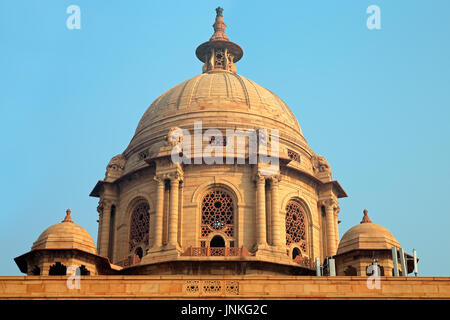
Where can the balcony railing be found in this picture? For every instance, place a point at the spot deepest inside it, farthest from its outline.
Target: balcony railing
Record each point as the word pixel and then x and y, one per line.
pixel 129 261
pixel 216 252
pixel 305 262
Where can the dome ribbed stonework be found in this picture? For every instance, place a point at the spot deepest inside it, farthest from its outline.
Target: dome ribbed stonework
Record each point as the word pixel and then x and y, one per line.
pixel 65 235
pixel 220 99
pixel 367 236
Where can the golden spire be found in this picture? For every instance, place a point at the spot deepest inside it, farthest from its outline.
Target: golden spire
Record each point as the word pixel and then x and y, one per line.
pixel 219 53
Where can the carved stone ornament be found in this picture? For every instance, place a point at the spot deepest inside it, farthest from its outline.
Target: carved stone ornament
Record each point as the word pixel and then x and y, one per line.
pixel 175 136
pixel 115 167
pixel 330 203
pixel 320 164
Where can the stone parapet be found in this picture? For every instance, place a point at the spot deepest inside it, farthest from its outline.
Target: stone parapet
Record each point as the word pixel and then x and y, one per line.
pixel 223 287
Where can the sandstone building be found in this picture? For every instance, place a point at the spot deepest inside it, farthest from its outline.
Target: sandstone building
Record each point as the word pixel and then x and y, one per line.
pixel 161 218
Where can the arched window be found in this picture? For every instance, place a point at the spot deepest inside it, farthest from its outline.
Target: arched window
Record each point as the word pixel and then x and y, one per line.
pixel 140 223
pixel 139 252
pixel 295 225
pixel 217 213
pixel 58 269
pixel 296 252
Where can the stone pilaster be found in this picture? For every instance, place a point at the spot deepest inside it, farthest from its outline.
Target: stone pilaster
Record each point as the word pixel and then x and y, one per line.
pixel 173 210
pixel 100 223
pixel 330 208
pixel 336 226
pixel 104 237
pixel 158 225
pixel 261 237
pixel 275 213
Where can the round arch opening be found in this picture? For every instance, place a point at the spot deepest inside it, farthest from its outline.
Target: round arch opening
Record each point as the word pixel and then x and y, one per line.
pixel 295 253
pixel 217 242
pixel 139 252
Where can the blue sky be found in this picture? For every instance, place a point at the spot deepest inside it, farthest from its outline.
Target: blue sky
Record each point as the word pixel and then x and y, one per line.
pixel 375 103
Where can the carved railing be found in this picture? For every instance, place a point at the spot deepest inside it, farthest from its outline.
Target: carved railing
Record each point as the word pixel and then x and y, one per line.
pixel 305 262
pixel 216 252
pixel 129 261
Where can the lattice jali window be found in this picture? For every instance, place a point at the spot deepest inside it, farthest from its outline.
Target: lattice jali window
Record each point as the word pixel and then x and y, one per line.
pixel 295 225
pixel 293 155
pixel 217 213
pixel 205 231
pixel 229 231
pixel 219 59
pixel 140 223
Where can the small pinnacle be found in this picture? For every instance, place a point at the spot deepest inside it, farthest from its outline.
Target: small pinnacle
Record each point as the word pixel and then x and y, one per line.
pixel 366 218
pixel 68 218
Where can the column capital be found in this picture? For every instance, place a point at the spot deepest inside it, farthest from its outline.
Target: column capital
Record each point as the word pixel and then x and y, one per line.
pixel 159 178
pixel 100 207
pixel 337 209
pixel 275 179
pixel 329 204
pixel 104 204
pixel 259 178
pixel 175 177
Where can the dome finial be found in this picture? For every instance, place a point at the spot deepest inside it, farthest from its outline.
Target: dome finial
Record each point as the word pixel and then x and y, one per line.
pixel 366 218
pixel 219 27
pixel 219 11
pixel 68 218
pixel 219 53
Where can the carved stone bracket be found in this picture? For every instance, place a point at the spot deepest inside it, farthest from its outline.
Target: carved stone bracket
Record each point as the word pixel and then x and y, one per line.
pixel 275 179
pixel 329 203
pixel 259 178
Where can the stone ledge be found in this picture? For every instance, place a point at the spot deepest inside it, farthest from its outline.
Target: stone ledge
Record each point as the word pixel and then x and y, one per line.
pixel 222 287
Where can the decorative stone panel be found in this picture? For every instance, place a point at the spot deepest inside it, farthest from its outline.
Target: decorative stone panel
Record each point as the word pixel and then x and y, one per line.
pixel 212 287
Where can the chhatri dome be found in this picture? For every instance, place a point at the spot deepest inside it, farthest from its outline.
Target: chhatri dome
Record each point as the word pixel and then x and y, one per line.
pixel 364 243
pixel 67 235
pixel 63 245
pixel 203 217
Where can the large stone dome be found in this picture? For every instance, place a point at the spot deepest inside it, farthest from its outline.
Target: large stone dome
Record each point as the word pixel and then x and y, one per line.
pixel 265 206
pixel 367 236
pixel 65 235
pixel 220 99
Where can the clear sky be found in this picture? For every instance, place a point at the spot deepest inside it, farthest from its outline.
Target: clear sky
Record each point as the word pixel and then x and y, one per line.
pixel 375 103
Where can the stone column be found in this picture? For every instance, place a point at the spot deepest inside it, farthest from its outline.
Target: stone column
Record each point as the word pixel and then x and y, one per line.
pixel 100 221
pixel 173 213
pixel 180 213
pixel 330 206
pixel 336 226
pixel 275 213
pixel 104 238
pixel 260 210
pixel 158 225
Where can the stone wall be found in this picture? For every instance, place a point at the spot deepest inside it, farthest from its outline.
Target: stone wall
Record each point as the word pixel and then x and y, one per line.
pixel 223 287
